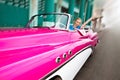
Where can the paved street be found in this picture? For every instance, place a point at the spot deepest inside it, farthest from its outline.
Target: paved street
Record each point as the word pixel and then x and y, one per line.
pixel 105 63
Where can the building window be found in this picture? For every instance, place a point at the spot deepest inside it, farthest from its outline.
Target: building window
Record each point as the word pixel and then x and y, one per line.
pixel 41 5
pixel 17 3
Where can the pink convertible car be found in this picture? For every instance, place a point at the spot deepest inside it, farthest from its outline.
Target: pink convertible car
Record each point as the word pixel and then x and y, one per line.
pixel 45 50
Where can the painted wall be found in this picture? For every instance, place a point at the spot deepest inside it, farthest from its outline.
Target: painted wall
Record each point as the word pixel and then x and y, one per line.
pixel 11 16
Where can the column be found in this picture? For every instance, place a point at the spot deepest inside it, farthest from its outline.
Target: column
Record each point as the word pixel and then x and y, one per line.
pixel 49 8
pixel 89 9
pixel 71 8
pixel 33 10
pixel 58 6
pixel 82 10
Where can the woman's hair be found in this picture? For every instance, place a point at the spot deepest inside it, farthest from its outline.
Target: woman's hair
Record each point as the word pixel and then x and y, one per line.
pixel 78 19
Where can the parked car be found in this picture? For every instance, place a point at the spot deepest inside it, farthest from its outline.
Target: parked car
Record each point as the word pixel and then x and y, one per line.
pixel 45 49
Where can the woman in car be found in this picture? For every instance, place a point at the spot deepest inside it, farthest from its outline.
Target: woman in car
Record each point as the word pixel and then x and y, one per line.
pixel 76 24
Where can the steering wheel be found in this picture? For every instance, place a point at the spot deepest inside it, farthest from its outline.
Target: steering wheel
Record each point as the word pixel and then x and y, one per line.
pixel 61 25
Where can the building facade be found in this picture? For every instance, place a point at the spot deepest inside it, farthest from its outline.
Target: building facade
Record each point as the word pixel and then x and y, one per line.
pixel 16 13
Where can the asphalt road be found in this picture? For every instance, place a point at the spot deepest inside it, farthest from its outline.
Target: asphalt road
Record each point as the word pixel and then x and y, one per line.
pixel 104 64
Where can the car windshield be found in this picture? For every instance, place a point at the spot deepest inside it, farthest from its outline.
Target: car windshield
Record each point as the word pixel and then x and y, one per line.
pixel 59 21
